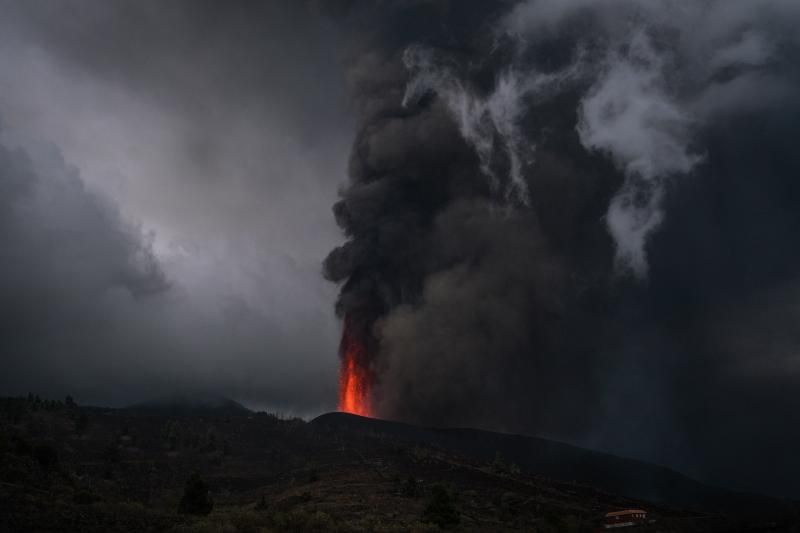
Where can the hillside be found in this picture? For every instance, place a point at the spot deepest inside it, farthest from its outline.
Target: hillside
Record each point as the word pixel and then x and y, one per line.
pixel 627 477
pixel 70 468
pixel 184 405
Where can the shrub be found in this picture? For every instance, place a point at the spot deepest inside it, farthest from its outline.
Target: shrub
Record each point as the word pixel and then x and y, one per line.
pixel 410 488
pixel 21 446
pixel 501 466
pixel 320 521
pixel 111 453
pixel 440 509
pixel 246 521
pixel 508 504
pixel 554 523
pixel 81 424
pixel 46 456
pixel 303 520
pixel 262 504
pixel 84 497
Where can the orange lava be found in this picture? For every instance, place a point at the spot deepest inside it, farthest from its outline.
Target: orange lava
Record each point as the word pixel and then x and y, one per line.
pixel 355 381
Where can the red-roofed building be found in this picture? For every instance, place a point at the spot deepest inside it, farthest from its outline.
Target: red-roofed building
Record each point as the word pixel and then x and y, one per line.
pixel 625 518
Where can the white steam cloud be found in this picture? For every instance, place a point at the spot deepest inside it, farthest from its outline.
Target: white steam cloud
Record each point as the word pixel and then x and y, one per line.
pixel 628 114
pixel 642 100
pixel 485 120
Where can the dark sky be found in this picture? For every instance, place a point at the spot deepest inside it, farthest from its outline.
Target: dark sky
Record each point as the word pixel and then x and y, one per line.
pixel 557 217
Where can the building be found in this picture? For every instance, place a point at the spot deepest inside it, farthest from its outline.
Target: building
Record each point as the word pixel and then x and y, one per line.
pixel 625 518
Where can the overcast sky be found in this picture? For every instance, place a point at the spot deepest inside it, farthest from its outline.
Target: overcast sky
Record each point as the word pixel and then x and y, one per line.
pixel 221 137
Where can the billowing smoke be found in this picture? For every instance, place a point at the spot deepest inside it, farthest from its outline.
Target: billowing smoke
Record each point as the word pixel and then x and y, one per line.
pixel 558 210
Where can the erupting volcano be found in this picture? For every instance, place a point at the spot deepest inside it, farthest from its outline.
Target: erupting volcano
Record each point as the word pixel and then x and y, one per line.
pixel 355 379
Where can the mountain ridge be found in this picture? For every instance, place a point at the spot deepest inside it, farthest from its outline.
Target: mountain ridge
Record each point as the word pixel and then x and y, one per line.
pixel 186 404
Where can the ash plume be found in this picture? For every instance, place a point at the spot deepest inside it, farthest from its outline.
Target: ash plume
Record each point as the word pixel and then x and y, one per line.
pixel 550 204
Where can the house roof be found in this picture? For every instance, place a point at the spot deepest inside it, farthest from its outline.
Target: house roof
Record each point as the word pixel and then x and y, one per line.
pixel 626 512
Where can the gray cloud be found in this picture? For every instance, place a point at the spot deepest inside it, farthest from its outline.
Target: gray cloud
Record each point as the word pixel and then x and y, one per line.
pixel 222 134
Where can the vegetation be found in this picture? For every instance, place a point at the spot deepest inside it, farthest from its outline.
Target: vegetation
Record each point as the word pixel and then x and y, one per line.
pixel 196 497
pixel 81 423
pixel 410 487
pixel 256 472
pixel 440 509
pixel 46 455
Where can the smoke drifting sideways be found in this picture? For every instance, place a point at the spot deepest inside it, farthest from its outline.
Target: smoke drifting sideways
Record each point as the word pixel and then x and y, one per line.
pixel 577 219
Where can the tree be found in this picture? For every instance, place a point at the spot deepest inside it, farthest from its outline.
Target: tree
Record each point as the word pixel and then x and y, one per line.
pixel 81 424
pixel 196 497
pixel 171 433
pixel 211 439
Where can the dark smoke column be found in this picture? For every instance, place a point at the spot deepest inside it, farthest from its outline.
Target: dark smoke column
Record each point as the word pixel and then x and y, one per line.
pixel 418 205
pixel 575 218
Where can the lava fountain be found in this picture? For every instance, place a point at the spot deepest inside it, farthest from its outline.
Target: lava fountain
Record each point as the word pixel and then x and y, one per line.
pixel 355 378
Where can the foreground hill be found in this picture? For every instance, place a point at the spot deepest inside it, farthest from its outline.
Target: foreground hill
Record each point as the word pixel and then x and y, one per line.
pixel 70 468
pixel 627 477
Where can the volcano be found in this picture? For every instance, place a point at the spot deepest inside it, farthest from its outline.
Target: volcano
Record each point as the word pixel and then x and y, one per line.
pixel 355 377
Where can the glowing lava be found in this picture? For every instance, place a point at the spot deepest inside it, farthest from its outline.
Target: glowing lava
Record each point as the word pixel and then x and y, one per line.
pixel 355 380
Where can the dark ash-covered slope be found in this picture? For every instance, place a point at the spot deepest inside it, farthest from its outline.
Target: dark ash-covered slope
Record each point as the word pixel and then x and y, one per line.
pixel 563 462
